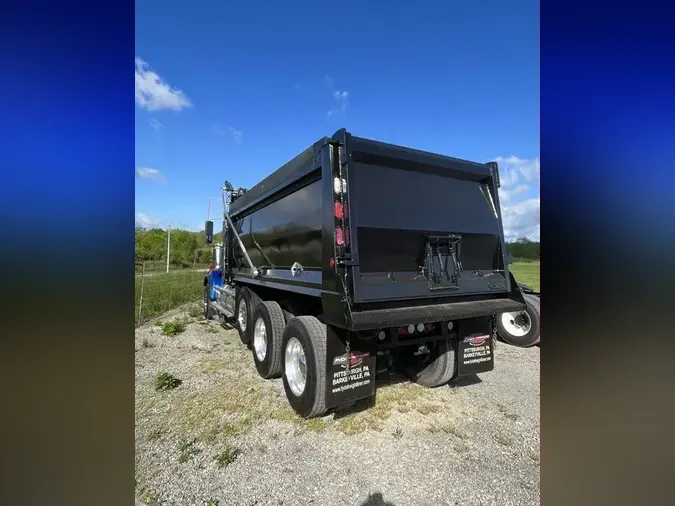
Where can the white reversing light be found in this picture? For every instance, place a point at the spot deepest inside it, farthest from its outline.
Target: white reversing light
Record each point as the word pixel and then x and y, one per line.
pixel 339 185
pixel 381 335
pixel 450 325
pixel 411 329
pixel 420 327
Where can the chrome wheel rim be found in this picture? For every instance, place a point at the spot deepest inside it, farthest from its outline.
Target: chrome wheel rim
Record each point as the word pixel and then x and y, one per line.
pixel 517 324
pixel 295 363
pixel 242 315
pixel 260 339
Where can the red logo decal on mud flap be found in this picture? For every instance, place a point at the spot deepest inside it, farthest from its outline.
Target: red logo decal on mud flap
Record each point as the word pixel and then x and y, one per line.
pixel 355 358
pixel 478 340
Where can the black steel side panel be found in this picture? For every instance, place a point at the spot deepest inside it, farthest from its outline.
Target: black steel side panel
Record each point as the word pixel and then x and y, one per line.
pixel 287 230
pixel 437 312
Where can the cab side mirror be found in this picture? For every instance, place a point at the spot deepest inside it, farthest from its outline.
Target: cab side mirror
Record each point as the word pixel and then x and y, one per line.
pixel 208 227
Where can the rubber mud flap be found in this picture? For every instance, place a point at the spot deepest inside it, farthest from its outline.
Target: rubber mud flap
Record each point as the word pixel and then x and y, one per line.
pixel 347 384
pixel 475 354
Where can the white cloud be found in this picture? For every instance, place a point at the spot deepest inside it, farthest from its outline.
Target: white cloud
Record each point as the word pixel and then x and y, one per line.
pixel 145 221
pixel 155 124
pixel 519 201
pixel 154 94
pixel 153 174
pixel 521 220
pixel 504 195
pixel 237 135
pixel 512 169
pixel 340 99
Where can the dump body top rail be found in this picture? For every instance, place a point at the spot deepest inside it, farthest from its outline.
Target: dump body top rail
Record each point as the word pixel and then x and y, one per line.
pixel 299 166
pixel 399 156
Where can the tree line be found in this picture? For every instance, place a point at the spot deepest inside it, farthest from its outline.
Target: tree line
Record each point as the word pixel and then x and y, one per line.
pixel 523 249
pixel 188 248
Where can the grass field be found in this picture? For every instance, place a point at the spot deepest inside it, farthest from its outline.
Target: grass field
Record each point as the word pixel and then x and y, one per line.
pixel 527 273
pixel 163 292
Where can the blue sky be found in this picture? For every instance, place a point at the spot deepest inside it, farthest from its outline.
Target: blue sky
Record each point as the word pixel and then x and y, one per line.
pixel 232 90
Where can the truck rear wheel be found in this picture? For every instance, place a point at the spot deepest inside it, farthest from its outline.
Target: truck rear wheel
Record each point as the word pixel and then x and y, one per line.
pixel 268 330
pixel 521 328
pixel 243 313
pixel 435 368
pixel 304 355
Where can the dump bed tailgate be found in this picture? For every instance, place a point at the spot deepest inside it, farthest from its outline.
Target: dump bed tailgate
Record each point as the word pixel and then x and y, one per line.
pixel 423 225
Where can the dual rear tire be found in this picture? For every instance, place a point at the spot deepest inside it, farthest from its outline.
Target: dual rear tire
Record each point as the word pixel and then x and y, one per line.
pixel 287 346
pixel 304 345
pixel 268 328
pixel 245 304
pixel 295 349
pixel 436 368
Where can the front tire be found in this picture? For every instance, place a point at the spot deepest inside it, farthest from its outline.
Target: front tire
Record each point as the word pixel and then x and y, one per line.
pixel 304 356
pixel 208 311
pixel 268 330
pixel 522 328
pixel 437 368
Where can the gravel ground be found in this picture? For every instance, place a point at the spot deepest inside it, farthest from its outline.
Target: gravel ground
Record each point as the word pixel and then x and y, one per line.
pixel 225 436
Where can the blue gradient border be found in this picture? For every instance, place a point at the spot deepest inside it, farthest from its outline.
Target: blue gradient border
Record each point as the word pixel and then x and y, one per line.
pixel 608 219
pixel 67 205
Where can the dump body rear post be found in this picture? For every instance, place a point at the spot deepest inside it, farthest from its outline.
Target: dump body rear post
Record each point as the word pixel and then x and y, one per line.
pixel 359 257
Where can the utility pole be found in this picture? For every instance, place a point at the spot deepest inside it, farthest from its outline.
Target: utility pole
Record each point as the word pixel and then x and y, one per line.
pixel 168 248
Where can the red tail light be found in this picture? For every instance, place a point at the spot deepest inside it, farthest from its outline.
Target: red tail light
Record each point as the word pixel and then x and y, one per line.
pixel 339 237
pixel 430 326
pixel 339 212
pixel 401 331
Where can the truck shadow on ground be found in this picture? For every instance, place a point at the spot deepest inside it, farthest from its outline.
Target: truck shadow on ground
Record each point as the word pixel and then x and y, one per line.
pixel 227 325
pixel 465 381
pixel 376 499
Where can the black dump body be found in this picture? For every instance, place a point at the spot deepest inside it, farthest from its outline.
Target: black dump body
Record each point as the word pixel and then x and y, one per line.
pixel 422 234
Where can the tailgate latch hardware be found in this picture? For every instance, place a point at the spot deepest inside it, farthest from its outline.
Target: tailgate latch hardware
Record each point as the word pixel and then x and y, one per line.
pixel 439 250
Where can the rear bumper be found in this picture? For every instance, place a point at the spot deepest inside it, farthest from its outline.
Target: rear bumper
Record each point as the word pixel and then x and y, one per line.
pixel 362 320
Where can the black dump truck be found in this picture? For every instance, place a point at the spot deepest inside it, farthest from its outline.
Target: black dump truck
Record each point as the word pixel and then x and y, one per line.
pixel 357 258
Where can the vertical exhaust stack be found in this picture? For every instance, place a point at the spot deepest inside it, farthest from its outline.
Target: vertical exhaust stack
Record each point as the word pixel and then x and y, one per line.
pixel 218 256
